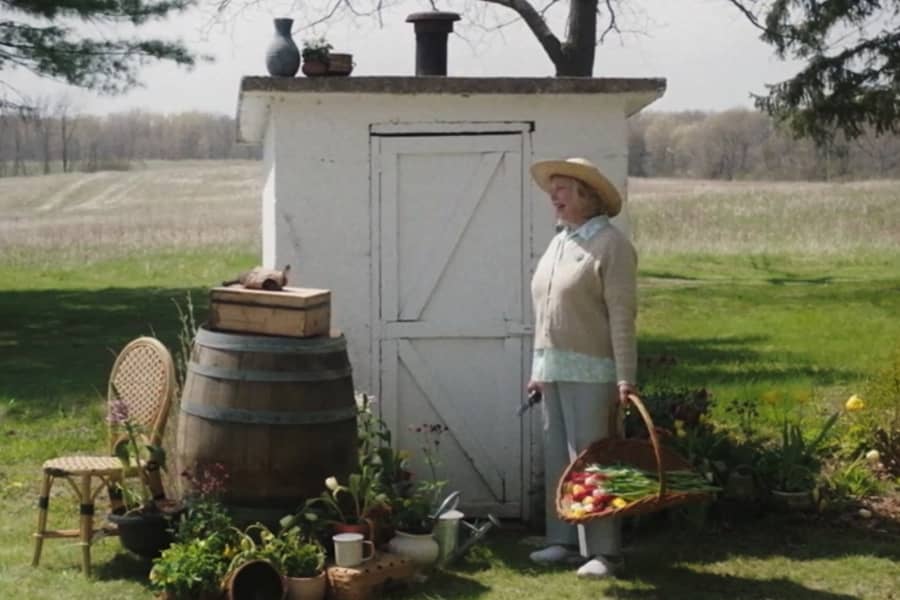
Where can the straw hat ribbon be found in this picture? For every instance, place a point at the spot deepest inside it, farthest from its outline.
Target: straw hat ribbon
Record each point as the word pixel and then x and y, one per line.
pixel 583 170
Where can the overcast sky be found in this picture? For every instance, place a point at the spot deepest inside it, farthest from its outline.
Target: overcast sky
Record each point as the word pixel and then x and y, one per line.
pixel 709 53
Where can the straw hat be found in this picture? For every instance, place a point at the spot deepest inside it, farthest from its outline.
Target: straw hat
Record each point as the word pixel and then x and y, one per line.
pixel 583 170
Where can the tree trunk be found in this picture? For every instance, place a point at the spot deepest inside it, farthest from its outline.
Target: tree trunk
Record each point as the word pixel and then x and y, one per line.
pixel 64 143
pixel 581 40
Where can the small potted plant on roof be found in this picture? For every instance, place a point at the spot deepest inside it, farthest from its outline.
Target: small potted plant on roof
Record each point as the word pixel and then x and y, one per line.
pixel 315 57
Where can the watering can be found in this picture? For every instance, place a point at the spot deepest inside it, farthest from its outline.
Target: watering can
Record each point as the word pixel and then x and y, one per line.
pixel 446 531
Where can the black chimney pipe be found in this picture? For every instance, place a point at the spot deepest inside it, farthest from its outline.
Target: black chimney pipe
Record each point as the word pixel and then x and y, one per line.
pixel 431 40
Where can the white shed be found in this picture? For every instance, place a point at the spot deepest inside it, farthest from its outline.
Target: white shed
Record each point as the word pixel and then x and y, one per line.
pixel 410 198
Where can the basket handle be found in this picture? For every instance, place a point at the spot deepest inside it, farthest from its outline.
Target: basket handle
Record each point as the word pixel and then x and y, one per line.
pixel 654 441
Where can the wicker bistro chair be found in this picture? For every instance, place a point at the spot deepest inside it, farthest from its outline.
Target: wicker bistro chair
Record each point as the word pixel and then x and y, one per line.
pixel 143 376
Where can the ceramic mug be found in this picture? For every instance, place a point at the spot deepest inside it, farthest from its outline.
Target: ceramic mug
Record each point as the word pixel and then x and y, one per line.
pixel 348 549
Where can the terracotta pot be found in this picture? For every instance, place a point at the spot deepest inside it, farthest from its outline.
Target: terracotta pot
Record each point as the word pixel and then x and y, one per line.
pixel 314 68
pixel 306 588
pixel 362 528
pixel 420 548
pixel 255 580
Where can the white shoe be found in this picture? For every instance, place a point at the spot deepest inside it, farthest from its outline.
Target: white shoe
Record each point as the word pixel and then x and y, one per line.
pixel 552 554
pixel 598 568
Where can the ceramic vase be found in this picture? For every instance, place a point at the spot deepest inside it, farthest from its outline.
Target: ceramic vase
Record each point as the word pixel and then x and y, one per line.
pixel 420 548
pixel 282 55
pixel 306 588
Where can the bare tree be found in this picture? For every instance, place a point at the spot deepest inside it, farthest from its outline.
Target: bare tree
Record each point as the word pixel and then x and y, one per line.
pixel 40 121
pixel 64 111
pixel 572 54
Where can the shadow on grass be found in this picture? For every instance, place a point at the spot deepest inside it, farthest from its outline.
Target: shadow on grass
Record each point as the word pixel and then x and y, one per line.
pixel 449 584
pixel 668 560
pixel 707 361
pixel 58 346
pixel 680 582
pixel 123 565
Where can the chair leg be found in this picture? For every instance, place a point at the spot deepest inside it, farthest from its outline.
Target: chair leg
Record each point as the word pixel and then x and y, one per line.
pixel 43 507
pixel 87 522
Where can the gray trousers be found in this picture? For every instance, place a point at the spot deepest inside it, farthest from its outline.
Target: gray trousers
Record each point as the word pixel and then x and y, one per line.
pixel 576 414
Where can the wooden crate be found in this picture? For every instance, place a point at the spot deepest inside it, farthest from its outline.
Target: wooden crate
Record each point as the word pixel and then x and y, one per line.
pixel 369 579
pixel 292 312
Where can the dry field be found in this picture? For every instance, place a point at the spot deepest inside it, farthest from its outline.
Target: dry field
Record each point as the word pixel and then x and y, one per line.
pixel 760 217
pixel 93 216
pixel 78 217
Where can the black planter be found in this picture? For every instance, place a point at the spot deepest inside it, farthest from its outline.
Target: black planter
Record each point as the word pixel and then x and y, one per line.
pixel 146 533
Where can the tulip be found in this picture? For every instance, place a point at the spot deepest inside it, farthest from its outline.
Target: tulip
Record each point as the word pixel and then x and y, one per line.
pixel 854 403
pixel 331 483
pixel 873 457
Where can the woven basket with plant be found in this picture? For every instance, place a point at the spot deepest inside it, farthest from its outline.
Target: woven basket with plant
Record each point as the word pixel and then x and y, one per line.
pixel 616 477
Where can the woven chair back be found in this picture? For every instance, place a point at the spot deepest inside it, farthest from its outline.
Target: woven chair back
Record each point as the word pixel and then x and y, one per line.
pixel 143 377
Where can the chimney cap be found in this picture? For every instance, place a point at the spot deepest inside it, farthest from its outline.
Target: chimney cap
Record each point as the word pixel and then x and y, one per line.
pixel 433 15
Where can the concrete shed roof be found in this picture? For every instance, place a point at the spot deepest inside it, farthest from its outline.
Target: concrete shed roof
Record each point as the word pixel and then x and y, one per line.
pixel 256 92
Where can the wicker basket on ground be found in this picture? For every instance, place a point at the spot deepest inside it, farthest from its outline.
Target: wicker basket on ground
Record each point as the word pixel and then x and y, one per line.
pixel 646 454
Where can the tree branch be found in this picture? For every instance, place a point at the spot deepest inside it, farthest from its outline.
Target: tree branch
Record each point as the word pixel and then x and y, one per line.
pixel 612 25
pixel 750 16
pixel 537 24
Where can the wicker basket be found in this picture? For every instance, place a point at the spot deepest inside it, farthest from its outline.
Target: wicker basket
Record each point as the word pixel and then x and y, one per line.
pixel 370 578
pixel 642 454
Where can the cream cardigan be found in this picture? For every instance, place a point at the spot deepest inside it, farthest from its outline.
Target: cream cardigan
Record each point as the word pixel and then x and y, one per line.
pixel 586 301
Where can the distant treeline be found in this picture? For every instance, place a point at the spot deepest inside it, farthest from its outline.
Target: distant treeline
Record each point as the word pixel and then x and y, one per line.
pixel 734 144
pixel 745 144
pixel 50 138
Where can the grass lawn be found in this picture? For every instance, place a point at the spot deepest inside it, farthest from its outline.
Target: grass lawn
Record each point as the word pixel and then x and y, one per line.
pixel 737 321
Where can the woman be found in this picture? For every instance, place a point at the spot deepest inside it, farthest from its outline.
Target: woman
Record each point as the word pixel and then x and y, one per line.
pixel 585 352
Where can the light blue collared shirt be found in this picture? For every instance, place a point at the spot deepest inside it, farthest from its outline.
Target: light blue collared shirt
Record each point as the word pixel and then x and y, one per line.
pixel 550 364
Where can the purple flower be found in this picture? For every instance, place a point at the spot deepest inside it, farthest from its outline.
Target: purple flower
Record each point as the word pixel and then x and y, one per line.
pixel 118 412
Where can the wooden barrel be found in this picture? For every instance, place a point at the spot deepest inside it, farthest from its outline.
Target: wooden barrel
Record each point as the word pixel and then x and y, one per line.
pixel 279 413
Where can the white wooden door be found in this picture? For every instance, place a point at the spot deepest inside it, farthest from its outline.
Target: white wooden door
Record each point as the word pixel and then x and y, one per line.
pixel 452 228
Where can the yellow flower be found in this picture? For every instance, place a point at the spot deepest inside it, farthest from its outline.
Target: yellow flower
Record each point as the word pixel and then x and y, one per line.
pixel 619 502
pixel 679 428
pixel 854 403
pixel 801 396
pixel 873 457
pixel 770 397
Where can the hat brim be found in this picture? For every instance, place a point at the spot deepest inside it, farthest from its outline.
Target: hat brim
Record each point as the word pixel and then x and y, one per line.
pixel 545 170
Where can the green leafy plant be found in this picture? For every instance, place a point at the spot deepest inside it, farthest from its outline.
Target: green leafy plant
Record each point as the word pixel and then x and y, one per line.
pixel 316 50
pixel 793 464
pixel 415 502
pixel 204 513
pixel 389 466
pixel 187 569
pixel 667 404
pixel 351 503
pixel 134 456
pixel 878 427
pixel 852 481
pixel 290 553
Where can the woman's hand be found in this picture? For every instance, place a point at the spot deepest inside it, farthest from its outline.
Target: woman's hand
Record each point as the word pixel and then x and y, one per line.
pixel 534 386
pixel 625 389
